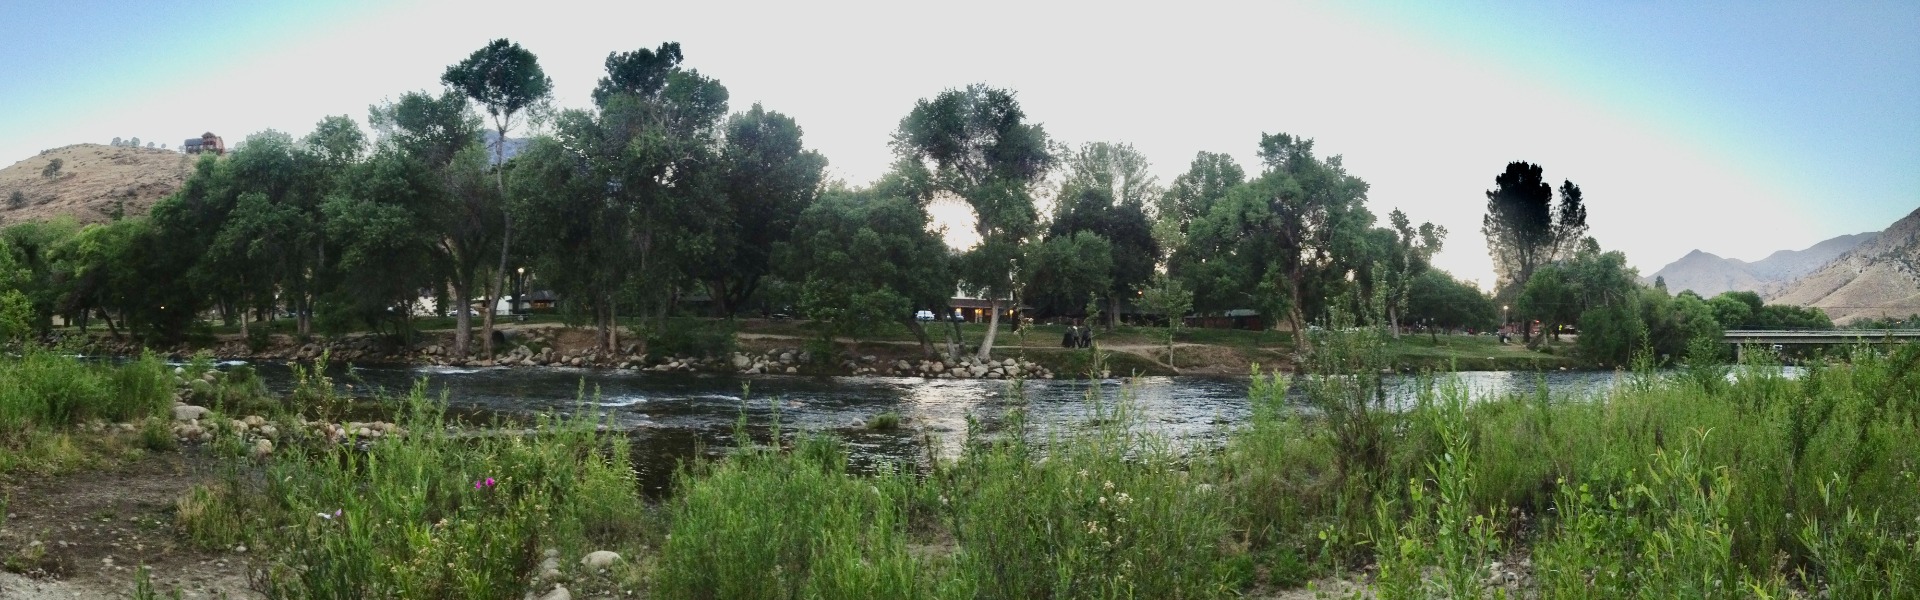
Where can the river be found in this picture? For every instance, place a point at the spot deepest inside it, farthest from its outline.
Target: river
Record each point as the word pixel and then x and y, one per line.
pixel 673 417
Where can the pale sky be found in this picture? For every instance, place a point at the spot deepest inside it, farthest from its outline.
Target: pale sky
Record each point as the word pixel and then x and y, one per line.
pixel 1739 128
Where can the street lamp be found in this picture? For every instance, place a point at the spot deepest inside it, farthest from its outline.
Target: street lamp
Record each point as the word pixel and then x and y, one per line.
pixel 520 291
pixel 1503 315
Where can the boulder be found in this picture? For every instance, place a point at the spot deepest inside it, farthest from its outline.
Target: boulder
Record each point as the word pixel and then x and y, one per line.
pixel 559 593
pixel 189 413
pixel 600 559
pixel 740 361
pixel 262 447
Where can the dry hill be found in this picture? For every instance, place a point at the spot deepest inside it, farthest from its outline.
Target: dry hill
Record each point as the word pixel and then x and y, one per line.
pixel 93 181
pixel 1709 275
pixel 1876 279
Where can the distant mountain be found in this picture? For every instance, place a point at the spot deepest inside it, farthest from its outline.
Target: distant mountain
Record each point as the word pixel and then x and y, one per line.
pixel 1879 278
pixel 514 145
pixel 94 181
pixel 1709 275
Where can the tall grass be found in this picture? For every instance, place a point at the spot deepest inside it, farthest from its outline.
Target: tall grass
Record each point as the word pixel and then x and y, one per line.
pixel 427 515
pixel 41 389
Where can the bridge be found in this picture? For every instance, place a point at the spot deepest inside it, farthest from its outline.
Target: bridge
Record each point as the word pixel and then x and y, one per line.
pixel 1741 338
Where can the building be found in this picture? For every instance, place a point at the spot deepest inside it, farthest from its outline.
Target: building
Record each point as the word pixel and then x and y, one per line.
pixel 207 142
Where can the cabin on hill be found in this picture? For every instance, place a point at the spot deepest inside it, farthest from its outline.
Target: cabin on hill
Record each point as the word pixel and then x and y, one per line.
pixel 207 142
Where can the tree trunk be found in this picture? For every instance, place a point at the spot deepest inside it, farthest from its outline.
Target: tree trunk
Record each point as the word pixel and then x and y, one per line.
pixel 111 329
pixel 956 343
pixel 1113 311
pixel 920 333
pixel 993 326
pixel 1393 319
pixel 506 239
pixel 462 320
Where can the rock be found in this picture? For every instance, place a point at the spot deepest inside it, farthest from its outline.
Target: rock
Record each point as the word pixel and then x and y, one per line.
pixel 740 361
pixel 792 370
pixel 261 448
pixel 1010 363
pixel 189 413
pixel 901 365
pixel 978 371
pixel 254 421
pixel 267 431
pixel 600 559
pixel 559 593
pixel 786 357
pixel 936 368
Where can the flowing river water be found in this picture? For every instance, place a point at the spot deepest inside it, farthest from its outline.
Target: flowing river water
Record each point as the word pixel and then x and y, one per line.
pixel 674 417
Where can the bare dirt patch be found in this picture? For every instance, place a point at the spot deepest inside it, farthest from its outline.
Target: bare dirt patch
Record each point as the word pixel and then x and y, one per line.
pixel 84 535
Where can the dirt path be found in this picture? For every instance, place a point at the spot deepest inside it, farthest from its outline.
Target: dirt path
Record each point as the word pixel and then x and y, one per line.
pixel 84 535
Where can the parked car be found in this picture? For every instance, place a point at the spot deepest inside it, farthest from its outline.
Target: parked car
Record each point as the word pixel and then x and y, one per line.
pixel 925 315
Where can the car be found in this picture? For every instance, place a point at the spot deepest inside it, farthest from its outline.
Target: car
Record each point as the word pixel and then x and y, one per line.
pixel 925 315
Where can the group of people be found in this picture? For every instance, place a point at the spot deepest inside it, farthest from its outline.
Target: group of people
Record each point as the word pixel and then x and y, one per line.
pixel 1078 336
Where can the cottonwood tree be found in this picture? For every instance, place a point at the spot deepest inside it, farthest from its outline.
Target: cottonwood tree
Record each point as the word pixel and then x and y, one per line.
pixel 864 257
pixel 976 144
pixel 440 135
pixel 1192 194
pixel 1283 243
pixel 1105 193
pixel 1523 227
pixel 1409 252
pixel 621 195
pixel 507 80
pixel 770 178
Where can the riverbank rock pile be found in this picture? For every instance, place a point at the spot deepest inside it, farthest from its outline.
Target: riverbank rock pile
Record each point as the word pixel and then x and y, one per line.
pixel 193 424
pixel 786 360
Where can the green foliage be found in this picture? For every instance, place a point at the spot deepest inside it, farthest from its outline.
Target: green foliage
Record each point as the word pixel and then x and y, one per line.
pixel 691 337
pixel 426 514
pixel 52 169
pixel 41 389
pixel 1172 301
pixel 1438 300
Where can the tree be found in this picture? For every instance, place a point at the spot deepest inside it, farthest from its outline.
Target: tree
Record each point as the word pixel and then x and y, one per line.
pixel 1438 300
pixel 623 194
pixel 506 79
pixel 1105 192
pixel 976 144
pixel 116 142
pixel 1171 300
pixel 1283 243
pixel 1062 273
pixel 441 135
pixel 1193 193
pixel 133 143
pixel 52 169
pixel 1523 229
pixel 864 258
pixel 770 179
pixel 1408 253
pixel 16 199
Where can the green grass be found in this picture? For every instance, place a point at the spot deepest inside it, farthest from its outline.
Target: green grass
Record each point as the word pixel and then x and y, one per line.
pixel 44 397
pixel 426 515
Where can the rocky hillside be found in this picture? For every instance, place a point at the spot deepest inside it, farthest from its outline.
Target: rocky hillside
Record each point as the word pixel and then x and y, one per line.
pixel 1709 275
pixel 1880 278
pixel 94 181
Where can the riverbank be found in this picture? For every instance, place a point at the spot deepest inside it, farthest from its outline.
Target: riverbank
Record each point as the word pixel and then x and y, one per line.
pixel 1686 484
pixel 756 346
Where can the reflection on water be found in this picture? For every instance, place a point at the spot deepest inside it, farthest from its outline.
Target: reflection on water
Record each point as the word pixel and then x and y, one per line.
pixel 674 417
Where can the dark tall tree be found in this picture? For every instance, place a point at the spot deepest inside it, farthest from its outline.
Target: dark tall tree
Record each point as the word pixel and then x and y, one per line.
pixel 1106 193
pixel 1523 229
pixel 506 79
pixel 770 178
pixel 977 144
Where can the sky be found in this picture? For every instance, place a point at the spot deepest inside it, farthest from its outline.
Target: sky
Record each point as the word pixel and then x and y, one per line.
pixel 1738 128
